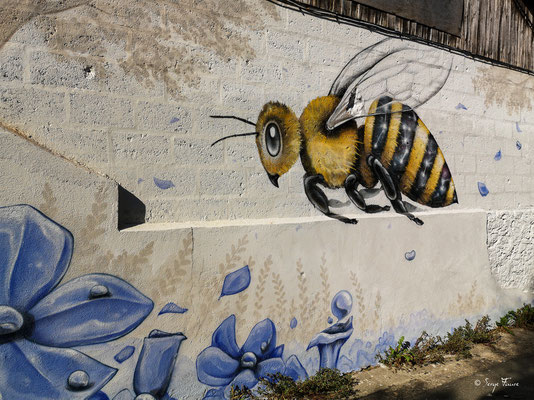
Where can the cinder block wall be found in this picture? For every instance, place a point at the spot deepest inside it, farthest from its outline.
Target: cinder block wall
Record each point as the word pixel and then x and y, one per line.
pixel 130 95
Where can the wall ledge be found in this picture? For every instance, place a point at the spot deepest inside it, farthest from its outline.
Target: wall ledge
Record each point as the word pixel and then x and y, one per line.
pixel 165 226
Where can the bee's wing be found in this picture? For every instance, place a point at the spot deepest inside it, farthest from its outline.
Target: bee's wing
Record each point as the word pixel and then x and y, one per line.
pixel 403 71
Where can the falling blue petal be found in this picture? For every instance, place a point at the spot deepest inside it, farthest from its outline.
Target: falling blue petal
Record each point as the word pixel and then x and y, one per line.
pixel 173 309
pixel 460 106
pixel 517 127
pixel 174 119
pixel 518 145
pixel 236 281
pixel 293 323
pixel 498 156
pixel 124 354
pixel 482 189
pixel 163 183
pixel 409 255
pixel 330 320
pixel 140 180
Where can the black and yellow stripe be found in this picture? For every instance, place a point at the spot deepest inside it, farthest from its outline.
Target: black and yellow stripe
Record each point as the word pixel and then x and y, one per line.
pixel 407 149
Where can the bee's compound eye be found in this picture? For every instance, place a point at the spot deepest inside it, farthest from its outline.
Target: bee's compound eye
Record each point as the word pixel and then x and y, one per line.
pixel 273 140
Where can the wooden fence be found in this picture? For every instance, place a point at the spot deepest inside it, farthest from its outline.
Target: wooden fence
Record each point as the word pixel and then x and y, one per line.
pixel 498 31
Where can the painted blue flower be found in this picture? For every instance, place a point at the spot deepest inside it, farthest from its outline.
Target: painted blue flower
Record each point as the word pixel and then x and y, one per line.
pixel 330 340
pixel 224 364
pixel 40 321
pixel 154 367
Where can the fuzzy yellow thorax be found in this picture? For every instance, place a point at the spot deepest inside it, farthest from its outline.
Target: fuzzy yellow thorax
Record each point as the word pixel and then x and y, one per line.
pixel 332 154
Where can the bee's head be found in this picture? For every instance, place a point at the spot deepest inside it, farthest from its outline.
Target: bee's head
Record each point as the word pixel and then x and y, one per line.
pixel 278 139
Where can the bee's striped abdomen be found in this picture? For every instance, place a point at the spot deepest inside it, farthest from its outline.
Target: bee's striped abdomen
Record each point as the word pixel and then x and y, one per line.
pixel 409 152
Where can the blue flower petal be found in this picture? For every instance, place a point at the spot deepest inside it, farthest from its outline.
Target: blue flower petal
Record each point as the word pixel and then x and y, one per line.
pixel 172 308
pixel 156 362
pixel 99 396
pixel 93 308
pixel 497 156
pixel 341 304
pixel 163 183
pixel 517 127
pixel 38 372
pixel 262 339
pixel 270 366
pixel 518 145
pixel 276 353
pixel 460 106
pixel 482 189
pixel 293 323
pixel 215 394
pixel 215 367
pixel 224 337
pixel 124 354
pixel 294 369
pixel 35 253
pixel 124 394
pixel 245 378
pixel 236 281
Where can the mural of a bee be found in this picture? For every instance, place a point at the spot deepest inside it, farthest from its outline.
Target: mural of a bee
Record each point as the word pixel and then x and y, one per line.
pixel 343 146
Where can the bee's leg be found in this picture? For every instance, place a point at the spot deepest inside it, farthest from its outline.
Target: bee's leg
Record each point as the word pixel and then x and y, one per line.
pixel 351 187
pixel 391 189
pixel 319 200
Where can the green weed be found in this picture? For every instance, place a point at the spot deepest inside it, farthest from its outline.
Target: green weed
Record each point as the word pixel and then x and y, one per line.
pixel 325 384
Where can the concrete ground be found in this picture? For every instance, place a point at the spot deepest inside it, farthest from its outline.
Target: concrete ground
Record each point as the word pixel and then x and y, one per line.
pixel 503 371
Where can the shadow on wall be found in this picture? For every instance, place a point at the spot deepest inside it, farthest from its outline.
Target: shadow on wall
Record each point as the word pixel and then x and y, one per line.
pixel 146 37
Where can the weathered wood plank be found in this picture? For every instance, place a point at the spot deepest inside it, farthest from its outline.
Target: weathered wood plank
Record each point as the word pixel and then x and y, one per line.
pixel 494 29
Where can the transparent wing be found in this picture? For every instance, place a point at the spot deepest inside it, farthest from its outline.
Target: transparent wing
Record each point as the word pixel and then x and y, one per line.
pixel 409 73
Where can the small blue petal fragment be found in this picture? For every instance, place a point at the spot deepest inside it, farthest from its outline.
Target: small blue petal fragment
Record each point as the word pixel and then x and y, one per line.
pixel 518 145
pixel 341 304
pixel 173 309
pixel 70 316
pixel 174 120
pixel 124 354
pixel 517 127
pixel 99 396
pixel 293 323
pixel 460 106
pixel 156 362
pixel 409 255
pixel 330 320
pixel 294 369
pixel 140 180
pixel 163 183
pixel 482 189
pixel 124 394
pixel 235 282
pixel 498 156
pixel 215 394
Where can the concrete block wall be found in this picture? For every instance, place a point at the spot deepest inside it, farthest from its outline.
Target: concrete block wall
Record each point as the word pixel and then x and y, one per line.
pixel 80 97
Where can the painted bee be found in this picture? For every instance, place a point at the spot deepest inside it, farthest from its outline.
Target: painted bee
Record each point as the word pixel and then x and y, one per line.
pixel 392 146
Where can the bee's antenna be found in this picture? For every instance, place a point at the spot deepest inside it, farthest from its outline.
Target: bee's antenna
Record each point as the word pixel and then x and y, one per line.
pixel 246 121
pixel 236 135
